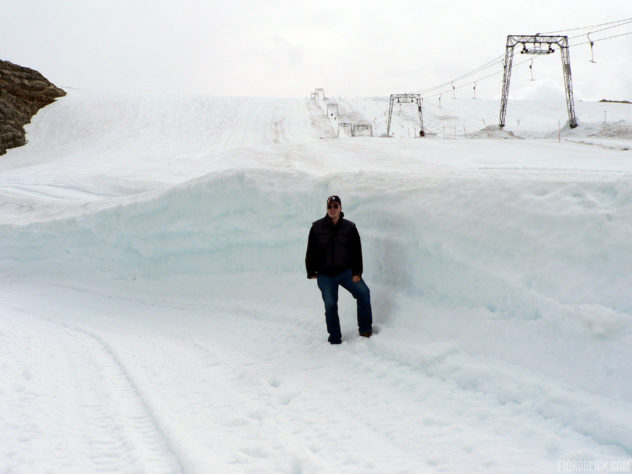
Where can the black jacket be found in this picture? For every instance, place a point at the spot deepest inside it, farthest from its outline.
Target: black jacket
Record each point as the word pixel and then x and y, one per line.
pixel 332 249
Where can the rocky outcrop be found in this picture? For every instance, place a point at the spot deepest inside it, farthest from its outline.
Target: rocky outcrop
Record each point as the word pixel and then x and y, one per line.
pixel 23 92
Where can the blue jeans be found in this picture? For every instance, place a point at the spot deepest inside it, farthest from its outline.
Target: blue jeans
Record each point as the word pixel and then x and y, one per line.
pixel 329 288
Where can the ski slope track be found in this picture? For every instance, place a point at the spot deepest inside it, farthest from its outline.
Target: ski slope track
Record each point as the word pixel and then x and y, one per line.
pixel 155 315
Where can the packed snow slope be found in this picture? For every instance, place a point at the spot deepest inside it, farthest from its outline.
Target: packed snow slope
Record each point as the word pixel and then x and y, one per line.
pixel 155 315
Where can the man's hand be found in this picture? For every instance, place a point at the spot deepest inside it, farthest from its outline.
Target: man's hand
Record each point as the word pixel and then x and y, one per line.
pixel 356 278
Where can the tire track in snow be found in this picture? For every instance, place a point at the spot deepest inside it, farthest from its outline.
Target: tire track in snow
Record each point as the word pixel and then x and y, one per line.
pixel 110 425
pixel 148 420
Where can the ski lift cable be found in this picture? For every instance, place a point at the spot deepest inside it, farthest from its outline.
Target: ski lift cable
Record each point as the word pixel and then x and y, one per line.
pixel 588 27
pixel 445 91
pixel 464 76
pixel 600 39
pixel 487 65
pixel 602 29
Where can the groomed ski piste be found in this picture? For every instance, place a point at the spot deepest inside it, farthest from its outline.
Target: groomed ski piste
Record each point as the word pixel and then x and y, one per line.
pixel 155 315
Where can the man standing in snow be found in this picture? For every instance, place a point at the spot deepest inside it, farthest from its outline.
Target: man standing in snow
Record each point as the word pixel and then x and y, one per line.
pixel 334 258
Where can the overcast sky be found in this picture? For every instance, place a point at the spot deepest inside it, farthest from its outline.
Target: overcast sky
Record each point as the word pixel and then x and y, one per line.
pixel 287 48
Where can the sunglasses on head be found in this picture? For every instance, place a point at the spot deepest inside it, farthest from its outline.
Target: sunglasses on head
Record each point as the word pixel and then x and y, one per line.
pixel 332 206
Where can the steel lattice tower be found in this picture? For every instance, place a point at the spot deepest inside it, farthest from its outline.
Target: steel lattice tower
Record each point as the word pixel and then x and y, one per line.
pixel 405 99
pixel 539 45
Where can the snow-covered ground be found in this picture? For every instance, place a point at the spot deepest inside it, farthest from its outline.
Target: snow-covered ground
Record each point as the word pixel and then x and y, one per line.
pixel 155 315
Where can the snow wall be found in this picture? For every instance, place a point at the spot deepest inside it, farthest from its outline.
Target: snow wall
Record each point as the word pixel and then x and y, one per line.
pixel 512 246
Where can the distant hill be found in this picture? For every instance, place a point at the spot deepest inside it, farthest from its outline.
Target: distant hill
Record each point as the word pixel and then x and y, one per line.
pixel 616 101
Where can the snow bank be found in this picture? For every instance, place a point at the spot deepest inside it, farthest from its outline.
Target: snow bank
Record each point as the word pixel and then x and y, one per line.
pixel 480 242
pixel 524 247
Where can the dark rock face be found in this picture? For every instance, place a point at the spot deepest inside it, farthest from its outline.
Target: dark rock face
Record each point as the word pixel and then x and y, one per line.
pixel 23 92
